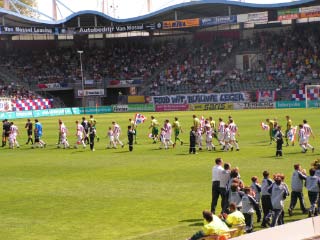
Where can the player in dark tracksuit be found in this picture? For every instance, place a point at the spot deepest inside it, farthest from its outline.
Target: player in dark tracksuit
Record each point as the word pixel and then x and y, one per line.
pixel 131 134
pixel 193 136
pixel 92 135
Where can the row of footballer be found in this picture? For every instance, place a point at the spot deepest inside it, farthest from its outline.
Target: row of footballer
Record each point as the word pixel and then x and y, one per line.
pixel 202 128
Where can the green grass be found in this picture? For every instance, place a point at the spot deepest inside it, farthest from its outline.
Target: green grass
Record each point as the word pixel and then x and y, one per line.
pixel 116 194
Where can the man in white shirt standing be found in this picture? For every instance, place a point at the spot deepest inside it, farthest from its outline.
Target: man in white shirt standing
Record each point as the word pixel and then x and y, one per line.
pixel 216 177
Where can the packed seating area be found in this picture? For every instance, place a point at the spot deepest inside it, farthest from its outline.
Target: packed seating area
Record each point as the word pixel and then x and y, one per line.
pixel 62 65
pixel 285 59
pixel 15 92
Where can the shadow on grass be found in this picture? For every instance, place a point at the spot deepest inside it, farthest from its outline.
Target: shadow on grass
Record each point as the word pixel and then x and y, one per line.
pixel 191 220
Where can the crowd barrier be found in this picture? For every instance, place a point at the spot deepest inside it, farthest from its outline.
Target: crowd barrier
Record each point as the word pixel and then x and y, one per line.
pixel 150 107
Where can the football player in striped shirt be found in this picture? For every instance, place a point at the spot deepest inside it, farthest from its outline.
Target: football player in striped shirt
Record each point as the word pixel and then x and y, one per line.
pixel 308 132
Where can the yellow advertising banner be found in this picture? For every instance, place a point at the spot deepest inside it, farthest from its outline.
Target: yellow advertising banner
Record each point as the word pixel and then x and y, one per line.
pixel 210 106
pixel 136 99
pixel 184 23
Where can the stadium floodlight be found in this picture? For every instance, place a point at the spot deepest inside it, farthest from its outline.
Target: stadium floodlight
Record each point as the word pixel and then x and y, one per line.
pixel 82 81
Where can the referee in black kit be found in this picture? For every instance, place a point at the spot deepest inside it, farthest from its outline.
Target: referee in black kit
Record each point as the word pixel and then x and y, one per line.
pixel 29 127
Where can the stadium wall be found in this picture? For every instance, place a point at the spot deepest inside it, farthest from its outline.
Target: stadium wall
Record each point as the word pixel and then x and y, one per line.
pixel 299 230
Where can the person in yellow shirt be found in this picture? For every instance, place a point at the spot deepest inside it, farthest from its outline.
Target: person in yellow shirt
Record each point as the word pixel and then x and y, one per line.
pixel 271 124
pixel 155 131
pixel 234 218
pixel 177 129
pixel 212 225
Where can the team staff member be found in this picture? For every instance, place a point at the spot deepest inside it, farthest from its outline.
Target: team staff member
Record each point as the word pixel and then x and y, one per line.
pixel 216 177
pixel 29 127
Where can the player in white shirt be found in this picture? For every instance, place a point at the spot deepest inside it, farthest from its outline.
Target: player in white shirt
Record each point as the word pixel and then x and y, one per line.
pixel 163 142
pixel 221 129
pixel 308 132
pixel 63 135
pixel 14 131
pixel 116 134
pixel 233 131
pixel 227 138
pixel 80 133
pixel 209 133
pixel 302 138
pixel 168 129
pixel 111 139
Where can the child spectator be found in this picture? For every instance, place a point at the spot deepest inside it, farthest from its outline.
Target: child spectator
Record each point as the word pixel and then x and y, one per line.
pixel 279 192
pixel 256 190
pixel 313 186
pixel 235 195
pixel 249 204
pixel 265 197
pixel 297 189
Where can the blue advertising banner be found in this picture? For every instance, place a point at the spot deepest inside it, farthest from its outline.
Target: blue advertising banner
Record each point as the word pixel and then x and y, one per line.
pixel 212 21
pixel 291 104
pixel 201 98
pixel 96 110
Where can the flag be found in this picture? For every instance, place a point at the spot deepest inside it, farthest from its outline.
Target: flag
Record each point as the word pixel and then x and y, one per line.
pixel 291 135
pixel 264 126
pixel 139 118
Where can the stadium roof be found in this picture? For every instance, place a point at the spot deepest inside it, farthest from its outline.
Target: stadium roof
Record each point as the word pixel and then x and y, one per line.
pixel 187 10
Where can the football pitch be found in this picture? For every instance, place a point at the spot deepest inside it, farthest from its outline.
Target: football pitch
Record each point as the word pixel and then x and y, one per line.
pixel 150 193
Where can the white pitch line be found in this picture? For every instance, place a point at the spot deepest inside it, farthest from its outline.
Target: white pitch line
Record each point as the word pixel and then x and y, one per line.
pixel 153 232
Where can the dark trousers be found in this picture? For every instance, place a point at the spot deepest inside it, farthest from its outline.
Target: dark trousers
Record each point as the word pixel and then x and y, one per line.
pixel 277 217
pixel 92 142
pixel 248 218
pixel 192 148
pixel 266 207
pixel 294 198
pixel 224 199
pixel 313 198
pixel 279 148
pixel 130 145
pixel 215 195
pixel 258 212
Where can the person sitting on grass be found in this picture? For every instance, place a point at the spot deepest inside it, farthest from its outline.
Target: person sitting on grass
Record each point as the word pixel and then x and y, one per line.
pixel 234 218
pixel 212 225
